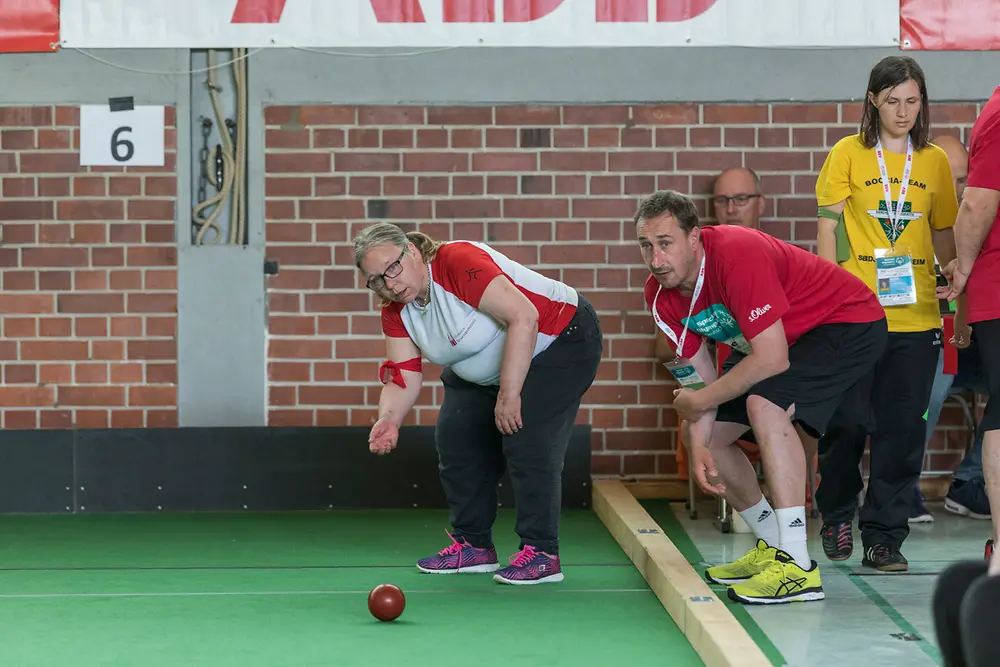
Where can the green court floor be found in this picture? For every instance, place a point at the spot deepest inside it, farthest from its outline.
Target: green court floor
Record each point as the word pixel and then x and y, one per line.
pixel 291 589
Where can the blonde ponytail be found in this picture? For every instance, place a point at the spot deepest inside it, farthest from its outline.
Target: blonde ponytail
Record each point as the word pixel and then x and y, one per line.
pixel 427 246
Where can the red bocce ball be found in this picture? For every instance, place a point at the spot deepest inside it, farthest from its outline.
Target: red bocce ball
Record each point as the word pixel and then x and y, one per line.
pixel 386 602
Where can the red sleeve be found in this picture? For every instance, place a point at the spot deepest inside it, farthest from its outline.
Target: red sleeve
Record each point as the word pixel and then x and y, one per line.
pixel 392 321
pixel 465 270
pixel 984 155
pixel 753 290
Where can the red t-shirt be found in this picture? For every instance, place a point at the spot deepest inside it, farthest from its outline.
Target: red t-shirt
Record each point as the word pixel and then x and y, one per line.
pixel 751 281
pixel 982 292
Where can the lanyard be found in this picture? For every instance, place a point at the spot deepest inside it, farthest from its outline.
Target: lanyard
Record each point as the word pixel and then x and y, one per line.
pixel 895 229
pixel 694 297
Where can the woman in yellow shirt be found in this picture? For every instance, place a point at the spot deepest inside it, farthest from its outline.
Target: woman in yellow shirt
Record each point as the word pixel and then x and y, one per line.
pixel 887 205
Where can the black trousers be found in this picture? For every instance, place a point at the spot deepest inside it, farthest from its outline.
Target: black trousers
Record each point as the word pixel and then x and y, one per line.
pixel 988 338
pixel 474 454
pixel 966 608
pixel 889 405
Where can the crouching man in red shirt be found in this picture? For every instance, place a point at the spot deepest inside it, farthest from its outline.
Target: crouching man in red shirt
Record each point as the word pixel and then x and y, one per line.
pixel 804 332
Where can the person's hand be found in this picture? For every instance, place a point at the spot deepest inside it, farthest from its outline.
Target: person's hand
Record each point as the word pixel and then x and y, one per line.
pixel 687 404
pixel 508 413
pixel 704 471
pixel 383 436
pixel 994 566
pixel 956 281
pixel 962 336
pixel 963 333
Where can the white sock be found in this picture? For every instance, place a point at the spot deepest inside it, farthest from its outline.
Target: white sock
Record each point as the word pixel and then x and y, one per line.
pixel 762 522
pixel 792 534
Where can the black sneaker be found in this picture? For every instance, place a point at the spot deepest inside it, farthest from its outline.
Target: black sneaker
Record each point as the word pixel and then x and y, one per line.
pixel 838 540
pixel 918 511
pixel 885 558
pixel 968 498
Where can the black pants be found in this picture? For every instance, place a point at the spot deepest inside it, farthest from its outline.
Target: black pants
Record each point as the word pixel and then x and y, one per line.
pixel 988 338
pixel 889 405
pixel 824 365
pixel 967 614
pixel 473 453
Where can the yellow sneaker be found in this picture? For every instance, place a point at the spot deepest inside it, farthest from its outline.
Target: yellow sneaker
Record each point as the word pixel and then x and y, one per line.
pixel 781 581
pixel 746 566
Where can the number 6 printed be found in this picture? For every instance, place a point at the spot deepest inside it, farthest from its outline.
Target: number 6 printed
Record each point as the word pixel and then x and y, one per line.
pixel 116 143
pixel 127 138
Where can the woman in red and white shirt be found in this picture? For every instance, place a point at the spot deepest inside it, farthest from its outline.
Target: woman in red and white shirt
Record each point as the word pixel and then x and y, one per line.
pixel 519 351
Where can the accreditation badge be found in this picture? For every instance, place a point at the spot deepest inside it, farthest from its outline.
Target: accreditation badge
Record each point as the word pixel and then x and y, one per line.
pixel 894 279
pixel 685 373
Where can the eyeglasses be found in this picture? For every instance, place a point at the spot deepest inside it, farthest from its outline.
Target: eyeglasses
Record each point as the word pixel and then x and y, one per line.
pixel 739 200
pixel 377 283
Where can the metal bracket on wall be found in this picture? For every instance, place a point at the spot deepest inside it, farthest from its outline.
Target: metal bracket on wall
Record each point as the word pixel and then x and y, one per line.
pixel 270 267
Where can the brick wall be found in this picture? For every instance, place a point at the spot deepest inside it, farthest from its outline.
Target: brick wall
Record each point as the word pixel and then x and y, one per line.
pixel 553 187
pixel 88 267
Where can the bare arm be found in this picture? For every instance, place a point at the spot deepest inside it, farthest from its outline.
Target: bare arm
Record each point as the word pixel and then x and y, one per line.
pixel 662 351
pixel 944 244
pixel 395 402
pixel 507 304
pixel 769 358
pixel 701 429
pixel 976 214
pixel 826 234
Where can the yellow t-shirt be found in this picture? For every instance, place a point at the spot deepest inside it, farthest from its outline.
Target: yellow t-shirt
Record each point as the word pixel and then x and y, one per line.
pixel 851 172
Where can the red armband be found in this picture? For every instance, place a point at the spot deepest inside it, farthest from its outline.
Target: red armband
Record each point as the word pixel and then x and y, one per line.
pixel 391 370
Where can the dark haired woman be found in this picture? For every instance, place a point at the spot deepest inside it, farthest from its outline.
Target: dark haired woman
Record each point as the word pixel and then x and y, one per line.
pixel 519 351
pixel 887 205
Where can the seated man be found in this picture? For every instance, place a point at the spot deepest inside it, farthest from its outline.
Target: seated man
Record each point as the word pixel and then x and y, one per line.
pixel 737 198
pixel 803 332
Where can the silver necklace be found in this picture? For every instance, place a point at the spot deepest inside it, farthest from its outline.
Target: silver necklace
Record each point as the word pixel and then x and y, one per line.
pixel 422 300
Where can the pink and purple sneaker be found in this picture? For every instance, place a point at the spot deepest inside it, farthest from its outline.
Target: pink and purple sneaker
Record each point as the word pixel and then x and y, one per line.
pixel 529 566
pixel 460 557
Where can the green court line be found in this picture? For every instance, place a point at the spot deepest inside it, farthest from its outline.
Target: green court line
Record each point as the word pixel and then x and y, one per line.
pixel 876 598
pixel 662 513
pixel 507 590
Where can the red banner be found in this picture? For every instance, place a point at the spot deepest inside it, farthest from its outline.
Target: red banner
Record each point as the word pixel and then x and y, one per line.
pixel 29 26
pixel 484 11
pixel 949 25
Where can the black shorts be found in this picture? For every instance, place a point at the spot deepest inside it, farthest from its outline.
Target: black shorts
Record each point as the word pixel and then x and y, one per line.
pixel 824 364
pixel 988 338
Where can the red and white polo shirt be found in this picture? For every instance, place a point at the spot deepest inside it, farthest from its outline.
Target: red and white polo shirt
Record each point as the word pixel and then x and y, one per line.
pixel 451 331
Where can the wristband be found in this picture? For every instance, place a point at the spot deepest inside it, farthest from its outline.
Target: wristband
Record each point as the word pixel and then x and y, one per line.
pixel 843 246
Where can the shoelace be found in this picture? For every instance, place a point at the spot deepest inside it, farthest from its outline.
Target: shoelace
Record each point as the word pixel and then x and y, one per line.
pixel 454 548
pixel 844 536
pixel 523 557
pixel 878 552
pixel 749 558
pixel 774 571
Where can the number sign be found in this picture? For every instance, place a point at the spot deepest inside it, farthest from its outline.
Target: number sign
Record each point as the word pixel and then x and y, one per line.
pixel 121 138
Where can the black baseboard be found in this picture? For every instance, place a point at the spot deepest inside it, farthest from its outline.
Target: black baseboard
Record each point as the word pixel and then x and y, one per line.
pixel 236 469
